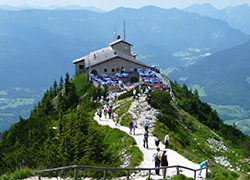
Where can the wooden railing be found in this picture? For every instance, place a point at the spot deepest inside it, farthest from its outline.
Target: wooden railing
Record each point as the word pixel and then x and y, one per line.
pixel 81 167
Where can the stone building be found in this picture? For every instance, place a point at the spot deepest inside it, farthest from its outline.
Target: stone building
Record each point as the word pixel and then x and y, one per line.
pixel 111 60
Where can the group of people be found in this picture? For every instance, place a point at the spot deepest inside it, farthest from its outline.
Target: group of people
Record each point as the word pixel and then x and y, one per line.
pixel 132 125
pixel 108 110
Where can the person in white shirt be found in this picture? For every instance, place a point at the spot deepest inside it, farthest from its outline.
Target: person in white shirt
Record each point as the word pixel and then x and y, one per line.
pixel 134 125
pixel 110 103
pixel 134 93
pixel 166 140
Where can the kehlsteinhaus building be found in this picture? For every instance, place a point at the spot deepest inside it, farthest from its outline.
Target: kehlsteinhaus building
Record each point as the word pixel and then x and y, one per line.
pixel 116 58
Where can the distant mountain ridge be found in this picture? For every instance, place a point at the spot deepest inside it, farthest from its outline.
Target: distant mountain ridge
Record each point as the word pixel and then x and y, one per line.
pixel 225 76
pixel 52 7
pixel 156 34
pixel 237 17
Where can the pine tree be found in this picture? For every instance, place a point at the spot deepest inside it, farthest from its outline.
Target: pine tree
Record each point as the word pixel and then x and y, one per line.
pixel 61 84
pixel 55 88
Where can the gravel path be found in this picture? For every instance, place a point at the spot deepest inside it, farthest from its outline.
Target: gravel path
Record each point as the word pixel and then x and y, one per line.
pixel 173 157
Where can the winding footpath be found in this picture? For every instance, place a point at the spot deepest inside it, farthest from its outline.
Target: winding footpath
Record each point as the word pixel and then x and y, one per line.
pixel 173 157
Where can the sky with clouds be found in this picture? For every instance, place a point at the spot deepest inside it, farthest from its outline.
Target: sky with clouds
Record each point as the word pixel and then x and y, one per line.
pixel 108 5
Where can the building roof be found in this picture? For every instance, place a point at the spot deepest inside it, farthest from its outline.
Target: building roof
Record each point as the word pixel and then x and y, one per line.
pixel 105 54
pixel 118 41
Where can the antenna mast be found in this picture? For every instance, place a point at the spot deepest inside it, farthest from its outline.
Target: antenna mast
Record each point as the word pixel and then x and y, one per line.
pixel 124 31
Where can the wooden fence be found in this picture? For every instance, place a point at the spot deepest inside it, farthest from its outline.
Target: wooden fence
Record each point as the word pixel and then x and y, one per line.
pixel 82 167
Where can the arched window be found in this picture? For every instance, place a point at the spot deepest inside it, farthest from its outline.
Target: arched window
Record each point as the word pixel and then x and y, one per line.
pixel 94 72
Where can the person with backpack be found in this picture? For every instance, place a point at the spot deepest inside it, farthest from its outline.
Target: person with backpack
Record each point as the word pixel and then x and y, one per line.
pixel 164 162
pixel 109 112
pixel 146 125
pixel 99 113
pixel 145 140
pixel 157 161
pixel 130 125
pixel 157 141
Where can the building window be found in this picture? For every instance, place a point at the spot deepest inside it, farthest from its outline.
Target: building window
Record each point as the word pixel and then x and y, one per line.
pixel 113 70
pixel 105 70
pixel 81 66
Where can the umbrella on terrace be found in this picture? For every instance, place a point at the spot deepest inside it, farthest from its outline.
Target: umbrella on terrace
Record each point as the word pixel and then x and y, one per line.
pixel 104 75
pixel 157 87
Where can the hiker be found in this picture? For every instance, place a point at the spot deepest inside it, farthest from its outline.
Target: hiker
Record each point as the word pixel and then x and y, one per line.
pixel 107 102
pixel 110 103
pixel 141 89
pixel 164 162
pixel 116 118
pixel 134 125
pixel 109 112
pixel 137 97
pixel 146 125
pixel 149 99
pixel 157 141
pixel 145 139
pixel 99 113
pixel 157 161
pixel 105 112
pixel 149 89
pixel 166 140
pixel 204 163
pixel 130 125
pixel 134 93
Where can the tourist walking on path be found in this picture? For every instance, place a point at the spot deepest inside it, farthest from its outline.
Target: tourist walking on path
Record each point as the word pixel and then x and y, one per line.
pixel 204 163
pixel 141 89
pixel 109 112
pixel 145 140
pixel 146 125
pixel 110 103
pixel 99 113
pixel 157 161
pixel 134 93
pixel 105 112
pixel 134 125
pixel 116 118
pixel 164 162
pixel 149 99
pixel 166 140
pixel 130 125
pixel 157 141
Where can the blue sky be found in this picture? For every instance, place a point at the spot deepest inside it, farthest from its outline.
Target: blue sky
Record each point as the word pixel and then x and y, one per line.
pixel 108 5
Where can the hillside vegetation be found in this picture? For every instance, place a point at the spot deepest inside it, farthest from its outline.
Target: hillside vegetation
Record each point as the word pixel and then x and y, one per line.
pixel 61 132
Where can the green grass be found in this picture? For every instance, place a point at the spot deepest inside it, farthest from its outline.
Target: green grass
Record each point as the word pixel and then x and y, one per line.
pixel 248 79
pixel 6 114
pixel 230 110
pixel 182 54
pixel 18 174
pixel 200 90
pixel 19 102
pixel 3 92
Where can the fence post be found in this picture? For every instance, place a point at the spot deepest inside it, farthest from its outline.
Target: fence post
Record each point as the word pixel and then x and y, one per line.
pixel 164 175
pixel 178 171
pixel 76 172
pixel 206 172
pixel 105 174
pixel 149 173
pixel 39 176
pixel 194 174
pixel 127 174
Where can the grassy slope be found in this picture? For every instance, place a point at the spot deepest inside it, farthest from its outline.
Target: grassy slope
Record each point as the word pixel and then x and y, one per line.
pixel 188 137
